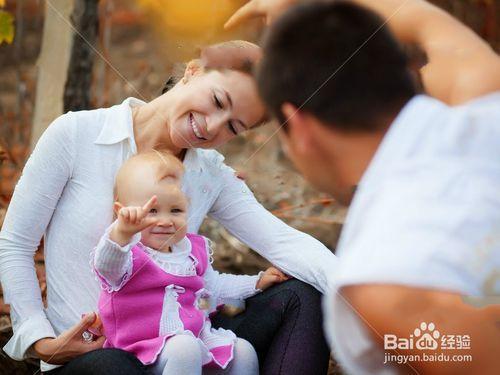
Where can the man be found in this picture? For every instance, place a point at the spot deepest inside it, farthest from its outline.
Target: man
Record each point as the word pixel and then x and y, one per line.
pixel 423 229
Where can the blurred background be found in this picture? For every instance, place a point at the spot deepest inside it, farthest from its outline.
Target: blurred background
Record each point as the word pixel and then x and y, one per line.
pixel 60 55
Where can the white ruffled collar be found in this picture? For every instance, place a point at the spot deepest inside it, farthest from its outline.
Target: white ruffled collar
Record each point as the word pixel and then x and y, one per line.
pixel 178 261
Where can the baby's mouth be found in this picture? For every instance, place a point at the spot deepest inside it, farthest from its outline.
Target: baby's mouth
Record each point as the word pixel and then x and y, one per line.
pixel 164 231
pixel 195 127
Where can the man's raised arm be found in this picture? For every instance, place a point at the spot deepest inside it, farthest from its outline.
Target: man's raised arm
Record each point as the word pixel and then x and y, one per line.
pixel 461 66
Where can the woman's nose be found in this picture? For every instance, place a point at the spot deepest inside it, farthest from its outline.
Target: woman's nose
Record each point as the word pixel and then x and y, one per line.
pixel 216 123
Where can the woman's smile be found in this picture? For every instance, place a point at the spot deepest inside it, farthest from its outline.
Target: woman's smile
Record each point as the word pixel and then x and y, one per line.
pixel 197 130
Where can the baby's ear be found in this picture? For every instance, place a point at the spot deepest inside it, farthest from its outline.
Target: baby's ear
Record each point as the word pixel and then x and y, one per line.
pixel 117 206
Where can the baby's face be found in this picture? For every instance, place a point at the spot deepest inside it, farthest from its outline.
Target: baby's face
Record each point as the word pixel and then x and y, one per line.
pixel 170 209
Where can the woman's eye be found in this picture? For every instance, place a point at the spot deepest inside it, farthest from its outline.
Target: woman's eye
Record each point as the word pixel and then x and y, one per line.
pixel 232 128
pixel 218 103
pixel 176 210
pixel 153 211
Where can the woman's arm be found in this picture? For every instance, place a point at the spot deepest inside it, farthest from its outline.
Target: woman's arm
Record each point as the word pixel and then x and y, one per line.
pixel 295 253
pixel 35 198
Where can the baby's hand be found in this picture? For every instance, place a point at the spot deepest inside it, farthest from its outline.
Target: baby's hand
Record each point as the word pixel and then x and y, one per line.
pixel 131 220
pixel 270 277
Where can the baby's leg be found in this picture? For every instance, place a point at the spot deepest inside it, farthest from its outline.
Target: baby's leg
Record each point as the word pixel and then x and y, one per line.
pixel 181 355
pixel 245 361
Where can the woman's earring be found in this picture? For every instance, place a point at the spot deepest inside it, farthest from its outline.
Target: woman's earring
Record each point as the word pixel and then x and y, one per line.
pixel 184 80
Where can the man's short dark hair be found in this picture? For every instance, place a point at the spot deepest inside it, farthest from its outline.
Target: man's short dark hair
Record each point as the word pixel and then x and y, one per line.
pixel 336 61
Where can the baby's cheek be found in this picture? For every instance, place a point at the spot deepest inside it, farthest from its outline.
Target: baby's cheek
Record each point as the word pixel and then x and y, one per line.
pixel 145 238
pixel 181 224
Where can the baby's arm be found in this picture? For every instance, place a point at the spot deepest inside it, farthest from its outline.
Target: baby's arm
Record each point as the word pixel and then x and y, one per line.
pixel 113 258
pixel 113 262
pixel 226 285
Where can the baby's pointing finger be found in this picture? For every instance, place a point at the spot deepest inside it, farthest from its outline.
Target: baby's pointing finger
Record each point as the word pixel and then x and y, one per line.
pixel 150 203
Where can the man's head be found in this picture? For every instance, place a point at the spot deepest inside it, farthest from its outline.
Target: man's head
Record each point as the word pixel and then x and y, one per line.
pixel 336 77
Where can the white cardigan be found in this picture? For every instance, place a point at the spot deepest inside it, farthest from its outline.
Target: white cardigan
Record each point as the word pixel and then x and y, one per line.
pixel 65 194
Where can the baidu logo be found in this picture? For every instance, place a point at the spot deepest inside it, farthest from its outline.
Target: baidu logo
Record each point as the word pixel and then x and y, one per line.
pixel 426 336
pixel 430 341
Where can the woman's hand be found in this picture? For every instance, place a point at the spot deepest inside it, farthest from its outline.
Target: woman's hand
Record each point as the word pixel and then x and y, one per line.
pixel 68 344
pixel 131 220
pixel 267 9
pixel 270 277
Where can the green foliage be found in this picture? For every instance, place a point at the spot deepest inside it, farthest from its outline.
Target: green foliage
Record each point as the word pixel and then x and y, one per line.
pixel 6 27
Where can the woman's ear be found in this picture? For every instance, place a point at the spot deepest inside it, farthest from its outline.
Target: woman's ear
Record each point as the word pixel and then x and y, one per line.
pixel 193 68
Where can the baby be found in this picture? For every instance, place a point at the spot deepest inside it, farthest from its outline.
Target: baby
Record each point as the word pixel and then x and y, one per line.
pixel 155 277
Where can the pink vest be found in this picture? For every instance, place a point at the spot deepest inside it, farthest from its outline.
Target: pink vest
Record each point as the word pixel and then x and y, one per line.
pixel 131 316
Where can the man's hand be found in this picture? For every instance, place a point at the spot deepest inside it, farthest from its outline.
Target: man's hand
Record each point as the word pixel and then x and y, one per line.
pixel 68 344
pixel 131 220
pixel 233 54
pixel 269 10
pixel 461 66
pixel 270 277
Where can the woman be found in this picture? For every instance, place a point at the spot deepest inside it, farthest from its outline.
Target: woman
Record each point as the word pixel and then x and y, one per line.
pixel 65 194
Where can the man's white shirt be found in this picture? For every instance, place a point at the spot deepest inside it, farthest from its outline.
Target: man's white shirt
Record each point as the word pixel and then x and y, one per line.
pixel 426 214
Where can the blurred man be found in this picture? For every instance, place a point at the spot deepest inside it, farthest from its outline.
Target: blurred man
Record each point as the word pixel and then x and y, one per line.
pixel 423 229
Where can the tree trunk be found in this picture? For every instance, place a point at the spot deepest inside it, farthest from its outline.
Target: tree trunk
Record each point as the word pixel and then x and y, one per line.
pixel 52 65
pixel 79 78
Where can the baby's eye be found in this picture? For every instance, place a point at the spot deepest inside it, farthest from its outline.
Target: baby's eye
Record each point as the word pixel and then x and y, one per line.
pixel 153 211
pixel 176 210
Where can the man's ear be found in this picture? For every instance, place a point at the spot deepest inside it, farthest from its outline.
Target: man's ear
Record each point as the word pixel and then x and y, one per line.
pixel 298 133
pixel 193 68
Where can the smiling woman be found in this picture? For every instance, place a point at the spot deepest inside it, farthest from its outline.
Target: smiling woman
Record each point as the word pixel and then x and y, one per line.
pixel 205 109
pixel 66 196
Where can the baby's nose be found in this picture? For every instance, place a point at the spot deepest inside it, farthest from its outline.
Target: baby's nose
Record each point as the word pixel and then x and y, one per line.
pixel 165 223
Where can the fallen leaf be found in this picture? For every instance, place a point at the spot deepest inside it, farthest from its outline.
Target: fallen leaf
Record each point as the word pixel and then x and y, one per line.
pixel 6 27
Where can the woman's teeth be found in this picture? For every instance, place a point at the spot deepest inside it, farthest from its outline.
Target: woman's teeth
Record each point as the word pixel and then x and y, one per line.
pixel 195 127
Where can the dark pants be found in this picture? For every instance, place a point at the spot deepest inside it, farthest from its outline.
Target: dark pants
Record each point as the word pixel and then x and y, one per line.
pixel 283 323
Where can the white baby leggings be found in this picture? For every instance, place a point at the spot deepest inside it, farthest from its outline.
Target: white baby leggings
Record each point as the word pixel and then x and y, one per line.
pixel 182 356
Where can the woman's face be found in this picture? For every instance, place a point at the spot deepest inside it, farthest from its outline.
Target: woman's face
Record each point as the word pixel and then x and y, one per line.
pixel 213 107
